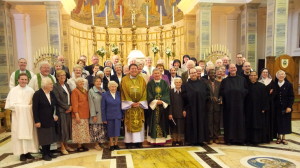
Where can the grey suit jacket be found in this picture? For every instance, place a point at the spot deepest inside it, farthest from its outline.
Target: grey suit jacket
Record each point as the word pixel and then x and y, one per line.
pixel 61 97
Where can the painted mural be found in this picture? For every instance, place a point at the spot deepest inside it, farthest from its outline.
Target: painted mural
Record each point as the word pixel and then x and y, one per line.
pixel 130 9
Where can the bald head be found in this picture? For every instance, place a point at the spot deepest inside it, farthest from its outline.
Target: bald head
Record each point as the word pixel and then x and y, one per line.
pixel 61 59
pixel 232 69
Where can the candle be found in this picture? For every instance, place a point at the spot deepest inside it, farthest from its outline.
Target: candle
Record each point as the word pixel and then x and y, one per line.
pixel 106 17
pixel 160 10
pixel 121 13
pixel 147 15
pixel 132 19
pixel 173 15
pixel 93 19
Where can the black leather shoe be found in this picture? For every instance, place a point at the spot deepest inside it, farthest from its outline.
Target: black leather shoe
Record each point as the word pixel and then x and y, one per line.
pixel 111 148
pixel 139 145
pixel 174 143
pixel 117 147
pixel 52 155
pixel 23 157
pixel 46 158
pixel 29 156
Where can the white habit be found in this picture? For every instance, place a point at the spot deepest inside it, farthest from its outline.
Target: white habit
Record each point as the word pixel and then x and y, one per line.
pixel 23 132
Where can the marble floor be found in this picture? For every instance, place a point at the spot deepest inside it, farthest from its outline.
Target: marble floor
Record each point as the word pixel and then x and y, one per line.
pixel 215 156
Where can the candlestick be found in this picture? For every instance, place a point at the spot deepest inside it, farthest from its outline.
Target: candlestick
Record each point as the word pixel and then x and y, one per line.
pixel 93 19
pixel 131 19
pixel 173 15
pixel 160 10
pixel 147 15
pixel 106 17
pixel 121 14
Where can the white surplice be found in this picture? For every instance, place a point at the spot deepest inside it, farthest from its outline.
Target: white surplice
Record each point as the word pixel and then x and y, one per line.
pixel 34 81
pixel 23 133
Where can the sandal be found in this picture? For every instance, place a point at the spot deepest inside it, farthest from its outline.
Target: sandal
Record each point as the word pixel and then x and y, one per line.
pixel 278 141
pixel 284 142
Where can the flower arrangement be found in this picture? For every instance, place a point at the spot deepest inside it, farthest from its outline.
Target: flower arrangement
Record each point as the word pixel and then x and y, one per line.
pixel 101 52
pixel 155 48
pixel 168 51
pixel 115 49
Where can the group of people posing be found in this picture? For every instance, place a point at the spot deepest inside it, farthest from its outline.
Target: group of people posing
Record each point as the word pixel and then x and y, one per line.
pixel 186 105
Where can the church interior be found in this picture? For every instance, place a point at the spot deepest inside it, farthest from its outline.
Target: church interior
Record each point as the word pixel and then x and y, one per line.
pixel 266 32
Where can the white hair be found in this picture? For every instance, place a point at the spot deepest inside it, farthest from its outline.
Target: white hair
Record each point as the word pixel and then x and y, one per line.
pixel 99 73
pixel 190 62
pixel 45 82
pixel 279 72
pixel 219 60
pixel 118 65
pixel 198 68
pixel 80 79
pixel 44 63
pixel 112 83
pixel 176 79
pixel 107 68
pixel 77 67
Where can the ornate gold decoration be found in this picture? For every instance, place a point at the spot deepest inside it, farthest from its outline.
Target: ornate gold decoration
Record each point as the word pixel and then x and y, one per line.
pixel 216 51
pixel 133 29
pixel 45 54
pixel 161 42
pixel 121 44
pixel 107 43
pixel 94 38
pixel 83 15
pixel 173 41
pixel 147 41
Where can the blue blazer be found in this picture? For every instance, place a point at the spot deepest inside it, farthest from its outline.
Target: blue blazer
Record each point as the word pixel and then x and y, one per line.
pixel 110 107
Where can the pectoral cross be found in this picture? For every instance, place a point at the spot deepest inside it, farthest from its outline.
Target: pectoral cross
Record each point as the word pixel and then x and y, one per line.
pixel 134 89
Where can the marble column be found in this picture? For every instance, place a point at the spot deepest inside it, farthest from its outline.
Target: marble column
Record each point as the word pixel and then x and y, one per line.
pixel 7 59
pixel 189 38
pixel 249 33
pixel 203 29
pixel 66 19
pixel 233 35
pixel 54 30
pixel 276 27
pixel 23 38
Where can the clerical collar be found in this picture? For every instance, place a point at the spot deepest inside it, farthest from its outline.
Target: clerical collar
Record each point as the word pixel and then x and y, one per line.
pixel 157 81
pixel 132 77
pixel 175 90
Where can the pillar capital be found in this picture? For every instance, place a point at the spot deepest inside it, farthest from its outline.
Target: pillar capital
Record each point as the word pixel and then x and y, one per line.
pixel 53 5
pixel 204 5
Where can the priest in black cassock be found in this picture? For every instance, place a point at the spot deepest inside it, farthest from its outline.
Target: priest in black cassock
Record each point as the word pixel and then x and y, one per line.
pixel 158 97
pixel 195 95
pixel 233 91
pixel 256 107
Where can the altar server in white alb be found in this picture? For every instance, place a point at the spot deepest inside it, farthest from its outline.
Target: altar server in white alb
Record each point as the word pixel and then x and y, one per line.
pixel 23 133
pixel 35 82
pixel 22 63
